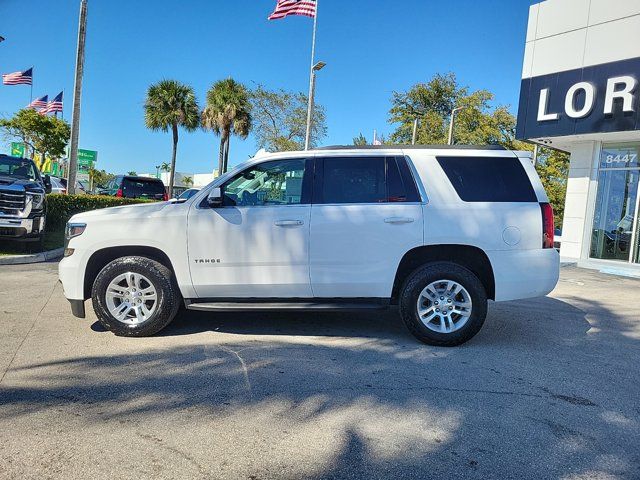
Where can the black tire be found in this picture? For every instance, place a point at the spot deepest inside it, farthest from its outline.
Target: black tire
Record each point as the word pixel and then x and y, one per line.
pixel 168 296
pixel 433 272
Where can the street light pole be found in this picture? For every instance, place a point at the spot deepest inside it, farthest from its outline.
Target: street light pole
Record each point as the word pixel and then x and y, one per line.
pixel 77 94
pixel 451 124
pixel 312 93
pixel 415 131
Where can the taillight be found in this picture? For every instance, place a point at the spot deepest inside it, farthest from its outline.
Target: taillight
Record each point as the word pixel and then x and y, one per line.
pixel 119 193
pixel 165 196
pixel 547 225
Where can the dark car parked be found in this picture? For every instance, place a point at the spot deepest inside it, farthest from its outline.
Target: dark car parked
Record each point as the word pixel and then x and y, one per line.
pixel 23 201
pixel 135 187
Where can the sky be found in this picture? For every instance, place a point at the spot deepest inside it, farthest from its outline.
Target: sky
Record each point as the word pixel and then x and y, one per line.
pixel 371 48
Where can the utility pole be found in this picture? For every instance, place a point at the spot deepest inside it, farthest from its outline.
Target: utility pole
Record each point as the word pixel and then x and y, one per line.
pixel 77 95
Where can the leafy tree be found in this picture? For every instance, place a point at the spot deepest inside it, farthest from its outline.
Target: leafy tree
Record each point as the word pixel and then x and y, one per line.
pixel 280 119
pixel 99 178
pixel 188 181
pixel 360 140
pixel 553 169
pixel 170 105
pixel 228 111
pixel 47 136
pixel 476 123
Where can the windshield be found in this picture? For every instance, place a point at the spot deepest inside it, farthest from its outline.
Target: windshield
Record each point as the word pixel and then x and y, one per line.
pixel 17 168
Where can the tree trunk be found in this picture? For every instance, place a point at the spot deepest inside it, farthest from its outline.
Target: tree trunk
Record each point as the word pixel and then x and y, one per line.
pixel 226 154
pixel 173 160
pixel 221 154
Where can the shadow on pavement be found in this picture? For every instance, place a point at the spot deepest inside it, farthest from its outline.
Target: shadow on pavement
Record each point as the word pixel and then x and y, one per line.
pixel 529 397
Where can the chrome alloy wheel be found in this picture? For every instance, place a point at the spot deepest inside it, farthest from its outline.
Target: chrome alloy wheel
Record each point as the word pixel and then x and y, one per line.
pixel 131 298
pixel 444 306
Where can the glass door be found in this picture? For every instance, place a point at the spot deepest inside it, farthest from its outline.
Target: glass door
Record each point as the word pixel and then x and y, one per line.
pixel 615 223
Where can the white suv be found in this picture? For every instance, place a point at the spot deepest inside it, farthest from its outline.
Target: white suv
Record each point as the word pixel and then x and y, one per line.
pixel 436 231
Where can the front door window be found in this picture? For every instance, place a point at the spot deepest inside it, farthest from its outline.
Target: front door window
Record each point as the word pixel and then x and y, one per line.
pixel 615 224
pixel 271 183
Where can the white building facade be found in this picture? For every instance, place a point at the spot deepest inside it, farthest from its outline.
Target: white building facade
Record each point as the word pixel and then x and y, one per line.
pixel 580 93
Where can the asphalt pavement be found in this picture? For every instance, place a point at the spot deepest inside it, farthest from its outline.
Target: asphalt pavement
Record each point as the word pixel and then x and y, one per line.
pixel 550 388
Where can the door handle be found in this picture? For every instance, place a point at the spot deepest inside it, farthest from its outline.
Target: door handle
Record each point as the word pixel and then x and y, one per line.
pixel 288 223
pixel 398 220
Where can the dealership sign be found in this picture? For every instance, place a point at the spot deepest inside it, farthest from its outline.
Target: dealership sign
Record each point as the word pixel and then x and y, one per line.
pixel 601 98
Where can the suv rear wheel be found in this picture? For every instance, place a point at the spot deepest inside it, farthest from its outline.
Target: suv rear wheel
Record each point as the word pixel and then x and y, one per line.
pixel 443 304
pixel 135 296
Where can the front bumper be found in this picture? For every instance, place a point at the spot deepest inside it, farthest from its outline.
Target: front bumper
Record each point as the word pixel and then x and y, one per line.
pixel 17 227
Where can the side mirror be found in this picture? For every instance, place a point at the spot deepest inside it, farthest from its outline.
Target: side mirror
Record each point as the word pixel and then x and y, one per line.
pixel 47 184
pixel 215 197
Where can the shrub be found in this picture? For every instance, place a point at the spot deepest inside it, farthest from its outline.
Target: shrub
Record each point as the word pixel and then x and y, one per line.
pixel 60 208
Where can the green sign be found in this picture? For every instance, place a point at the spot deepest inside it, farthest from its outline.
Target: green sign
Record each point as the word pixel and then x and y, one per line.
pixel 17 149
pixel 86 160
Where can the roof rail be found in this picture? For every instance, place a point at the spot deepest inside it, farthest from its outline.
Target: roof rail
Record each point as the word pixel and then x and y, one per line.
pixel 409 147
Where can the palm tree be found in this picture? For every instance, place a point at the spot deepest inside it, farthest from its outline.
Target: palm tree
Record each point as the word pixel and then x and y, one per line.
pixel 165 167
pixel 228 111
pixel 169 105
pixel 188 181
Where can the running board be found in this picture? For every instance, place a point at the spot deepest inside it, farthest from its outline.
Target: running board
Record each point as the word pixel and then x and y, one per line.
pixel 226 306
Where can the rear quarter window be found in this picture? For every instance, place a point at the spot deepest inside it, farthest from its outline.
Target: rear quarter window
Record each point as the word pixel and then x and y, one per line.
pixel 488 179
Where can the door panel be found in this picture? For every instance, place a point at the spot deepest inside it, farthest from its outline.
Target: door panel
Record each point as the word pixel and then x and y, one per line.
pixel 250 251
pixel 365 216
pixel 355 250
pixel 257 243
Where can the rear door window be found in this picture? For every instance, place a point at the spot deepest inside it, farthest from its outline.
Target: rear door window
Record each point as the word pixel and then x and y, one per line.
pixel 359 180
pixel 488 179
pixel 139 187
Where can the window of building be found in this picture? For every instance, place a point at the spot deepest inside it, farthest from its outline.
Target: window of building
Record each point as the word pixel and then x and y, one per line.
pixel 615 224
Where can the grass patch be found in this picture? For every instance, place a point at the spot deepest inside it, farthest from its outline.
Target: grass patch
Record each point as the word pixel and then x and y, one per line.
pixel 52 240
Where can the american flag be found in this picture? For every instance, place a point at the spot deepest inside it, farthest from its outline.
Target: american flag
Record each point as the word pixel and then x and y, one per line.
pixel 39 103
pixel 54 105
pixel 18 78
pixel 285 8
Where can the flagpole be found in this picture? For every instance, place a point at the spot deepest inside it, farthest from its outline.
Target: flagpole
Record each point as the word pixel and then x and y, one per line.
pixel 307 139
pixel 31 94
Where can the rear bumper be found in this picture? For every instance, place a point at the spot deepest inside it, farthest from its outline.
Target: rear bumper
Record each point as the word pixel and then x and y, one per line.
pixel 522 274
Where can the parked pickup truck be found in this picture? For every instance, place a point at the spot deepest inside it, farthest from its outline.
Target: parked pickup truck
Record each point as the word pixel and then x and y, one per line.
pixel 434 231
pixel 23 205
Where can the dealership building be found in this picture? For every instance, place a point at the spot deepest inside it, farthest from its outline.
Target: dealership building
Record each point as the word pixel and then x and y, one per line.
pixel 580 93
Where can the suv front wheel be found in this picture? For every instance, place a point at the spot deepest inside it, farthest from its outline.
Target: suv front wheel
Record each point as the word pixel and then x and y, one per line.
pixel 443 304
pixel 135 296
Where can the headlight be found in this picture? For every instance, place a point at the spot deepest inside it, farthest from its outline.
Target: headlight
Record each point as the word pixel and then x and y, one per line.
pixel 37 199
pixel 74 229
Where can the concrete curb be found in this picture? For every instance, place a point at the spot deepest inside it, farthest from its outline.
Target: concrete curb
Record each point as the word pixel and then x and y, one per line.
pixel 34 258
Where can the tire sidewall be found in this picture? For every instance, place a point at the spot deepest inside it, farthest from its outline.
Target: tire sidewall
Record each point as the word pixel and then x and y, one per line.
pixel 163 282
pixel 422 277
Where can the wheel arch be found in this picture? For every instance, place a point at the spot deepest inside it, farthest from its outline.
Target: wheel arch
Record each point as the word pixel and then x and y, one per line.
pixel 468 256
pixel 102 257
